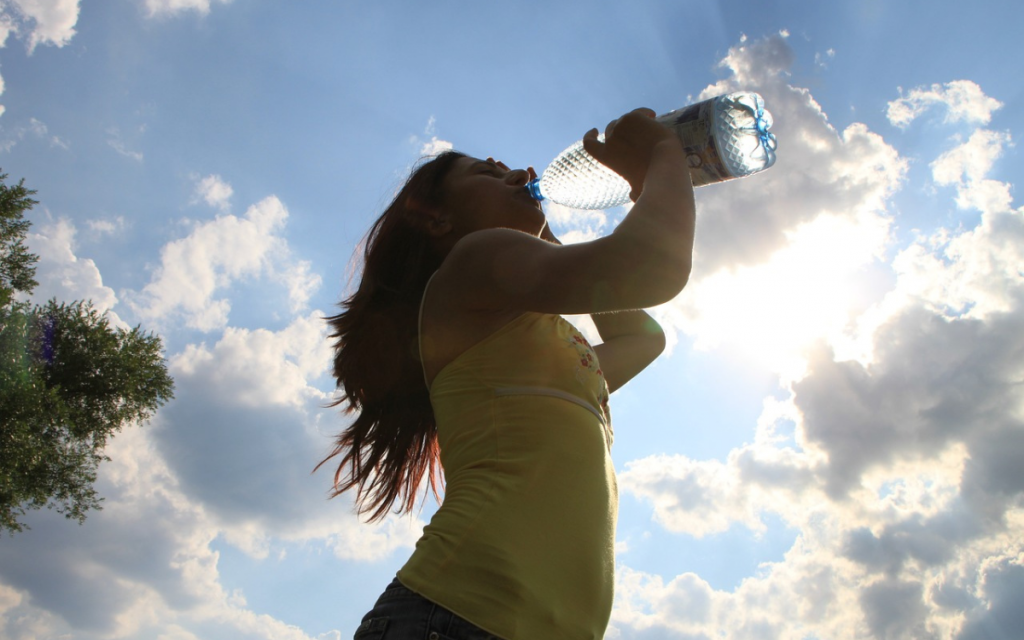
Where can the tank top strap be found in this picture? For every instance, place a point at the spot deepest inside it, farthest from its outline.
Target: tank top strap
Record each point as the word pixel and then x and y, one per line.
pixel 419 330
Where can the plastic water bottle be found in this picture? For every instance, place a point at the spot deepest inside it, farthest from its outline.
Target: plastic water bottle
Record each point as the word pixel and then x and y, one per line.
pixel 724 138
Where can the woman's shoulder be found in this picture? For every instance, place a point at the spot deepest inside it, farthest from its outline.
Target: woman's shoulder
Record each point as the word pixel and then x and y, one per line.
pixel 486 240
pixel 452 321
pixel 486 268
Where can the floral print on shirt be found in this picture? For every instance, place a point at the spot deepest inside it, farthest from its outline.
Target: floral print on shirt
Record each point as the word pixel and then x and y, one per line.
pixel 588 362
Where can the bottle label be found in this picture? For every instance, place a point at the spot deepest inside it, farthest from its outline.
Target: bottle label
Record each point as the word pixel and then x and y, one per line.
pixel 693 125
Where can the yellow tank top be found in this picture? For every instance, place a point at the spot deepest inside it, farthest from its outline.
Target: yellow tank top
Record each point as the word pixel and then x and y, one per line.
pixel 523 544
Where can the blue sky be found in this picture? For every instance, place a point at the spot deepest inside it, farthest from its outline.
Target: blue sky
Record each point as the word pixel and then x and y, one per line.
pixel 829 450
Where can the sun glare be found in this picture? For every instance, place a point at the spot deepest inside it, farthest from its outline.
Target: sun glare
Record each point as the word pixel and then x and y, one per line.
pixel 804 293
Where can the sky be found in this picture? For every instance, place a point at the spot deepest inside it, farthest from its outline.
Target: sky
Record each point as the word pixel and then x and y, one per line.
pixel 829 449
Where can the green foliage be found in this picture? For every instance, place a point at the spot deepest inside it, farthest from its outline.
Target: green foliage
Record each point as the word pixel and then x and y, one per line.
pixel 17 265
pixel 68 382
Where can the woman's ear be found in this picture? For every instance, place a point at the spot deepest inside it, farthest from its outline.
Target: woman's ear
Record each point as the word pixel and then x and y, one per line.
pixel 438 223
pixel 432 220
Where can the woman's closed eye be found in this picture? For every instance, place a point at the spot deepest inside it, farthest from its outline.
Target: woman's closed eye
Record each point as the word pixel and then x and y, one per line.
pixel 499 165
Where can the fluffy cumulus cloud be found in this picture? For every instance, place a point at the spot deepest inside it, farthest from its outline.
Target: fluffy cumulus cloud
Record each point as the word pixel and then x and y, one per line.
pixel 963 100
pixel 215 192
pixel 260 367
pixel 966 166
pixel 195 271
pixel 145 566
pixel 49 22
pixel 226 465
pixel 846 174
pixel 898 462
pixel 228 462
pixel 251 394
pixel 61 273
pixel 777 253
pixel 210 471
pixel 893 451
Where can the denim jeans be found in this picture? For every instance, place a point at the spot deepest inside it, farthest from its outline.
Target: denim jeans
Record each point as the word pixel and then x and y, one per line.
pixel 401 614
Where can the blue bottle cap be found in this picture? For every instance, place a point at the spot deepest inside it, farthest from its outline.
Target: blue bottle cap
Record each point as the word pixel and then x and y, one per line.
pixel 533 188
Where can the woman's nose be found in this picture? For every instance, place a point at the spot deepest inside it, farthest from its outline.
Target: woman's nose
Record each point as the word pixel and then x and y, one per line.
pixel 517 177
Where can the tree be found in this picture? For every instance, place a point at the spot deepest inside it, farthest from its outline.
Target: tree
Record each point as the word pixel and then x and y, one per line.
pixel 17 265
pixel 68 382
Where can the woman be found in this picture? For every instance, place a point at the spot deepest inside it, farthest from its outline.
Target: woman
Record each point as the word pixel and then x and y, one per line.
pixel 453 350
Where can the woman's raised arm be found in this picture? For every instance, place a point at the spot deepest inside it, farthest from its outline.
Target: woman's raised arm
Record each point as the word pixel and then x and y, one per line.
pixel 645 261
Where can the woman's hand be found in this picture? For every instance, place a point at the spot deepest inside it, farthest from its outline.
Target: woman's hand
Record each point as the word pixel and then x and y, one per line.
pixel 644 262
pixel 530 172
pixel 628 145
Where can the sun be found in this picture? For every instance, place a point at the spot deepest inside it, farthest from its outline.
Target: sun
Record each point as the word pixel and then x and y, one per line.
pixel 808 291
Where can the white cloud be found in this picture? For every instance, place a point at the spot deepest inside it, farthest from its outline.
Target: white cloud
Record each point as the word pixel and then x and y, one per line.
pixel 372 542
pixel 575 225
pixel 215 192
pixel 7 27
pixel 896 467
pixel 212 257
pixel 228 461
pixel 698 498
pixel 906 541
pixel 300 282
pixel 20 620
pixel 975 274
pixel 62 274
pixel 117 143
pixel 685 604
pixel 107 226
pixel 850 174
pixel 252 393
pixel 899 470
pixel 433 145
pixel 901 475
pixel 42 131
pixel 173 7
pixel 778 256
pixel 261 367
pixel 294 276
pixel 704 497
pixel 45 21
pixel 9 598
pixel 966 165
pixel 36 129
pixel 964 101
pixel 822 59
pixel 161 577
pixel 971 160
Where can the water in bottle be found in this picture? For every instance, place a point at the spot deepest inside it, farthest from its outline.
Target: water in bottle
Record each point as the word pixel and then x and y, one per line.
pixel 724 138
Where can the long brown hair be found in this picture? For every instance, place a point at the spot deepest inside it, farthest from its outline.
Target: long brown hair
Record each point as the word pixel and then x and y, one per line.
pixel 392 443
